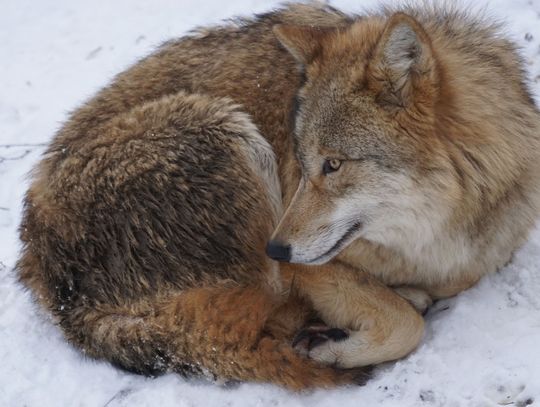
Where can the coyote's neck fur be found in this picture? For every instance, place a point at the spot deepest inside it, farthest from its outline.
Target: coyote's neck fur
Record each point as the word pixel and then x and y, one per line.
pixel 438 140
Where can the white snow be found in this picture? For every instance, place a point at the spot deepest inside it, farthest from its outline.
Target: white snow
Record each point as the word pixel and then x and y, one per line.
pixel 480 349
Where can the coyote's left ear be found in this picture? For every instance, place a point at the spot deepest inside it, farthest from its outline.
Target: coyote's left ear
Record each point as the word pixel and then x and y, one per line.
pixel 303 42
pixel 403 66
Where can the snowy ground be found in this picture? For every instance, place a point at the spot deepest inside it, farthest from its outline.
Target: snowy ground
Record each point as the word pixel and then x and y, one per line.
pixel 480 349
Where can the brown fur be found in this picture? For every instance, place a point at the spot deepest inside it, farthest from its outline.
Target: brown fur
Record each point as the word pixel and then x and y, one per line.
pixel 434 142
pixel 145 224
pixel 459 124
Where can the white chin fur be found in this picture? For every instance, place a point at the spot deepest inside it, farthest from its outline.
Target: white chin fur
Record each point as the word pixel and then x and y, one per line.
pixel 328 252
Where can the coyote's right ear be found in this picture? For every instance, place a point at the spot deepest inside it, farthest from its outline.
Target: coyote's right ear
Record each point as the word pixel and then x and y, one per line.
pixel 303 42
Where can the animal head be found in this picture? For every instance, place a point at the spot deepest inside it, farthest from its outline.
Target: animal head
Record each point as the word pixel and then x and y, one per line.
pixel 365 140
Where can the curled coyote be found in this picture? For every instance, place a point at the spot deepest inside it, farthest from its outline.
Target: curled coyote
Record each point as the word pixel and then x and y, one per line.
pixel 408 136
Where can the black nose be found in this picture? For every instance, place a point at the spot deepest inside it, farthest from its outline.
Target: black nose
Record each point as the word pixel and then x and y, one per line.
pixel 278 251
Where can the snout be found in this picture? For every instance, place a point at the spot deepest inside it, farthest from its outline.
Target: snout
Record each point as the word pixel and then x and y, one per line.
pixel 314 228
pixel 278 251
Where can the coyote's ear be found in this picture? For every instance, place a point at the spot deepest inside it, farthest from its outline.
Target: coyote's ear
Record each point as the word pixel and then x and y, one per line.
pixel 303 42
pixel 403 63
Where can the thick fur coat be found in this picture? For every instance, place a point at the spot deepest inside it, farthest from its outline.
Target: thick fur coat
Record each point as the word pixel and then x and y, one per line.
pixel 415 145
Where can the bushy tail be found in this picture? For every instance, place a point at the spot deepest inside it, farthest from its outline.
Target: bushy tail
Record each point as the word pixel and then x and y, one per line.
pixel 216 331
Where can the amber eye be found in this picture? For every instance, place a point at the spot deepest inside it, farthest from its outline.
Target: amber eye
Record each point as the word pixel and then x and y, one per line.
pixel 331 166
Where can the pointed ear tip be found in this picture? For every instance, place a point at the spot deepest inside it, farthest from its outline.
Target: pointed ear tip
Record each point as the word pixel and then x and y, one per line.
pixel 402 18
pixel 407 25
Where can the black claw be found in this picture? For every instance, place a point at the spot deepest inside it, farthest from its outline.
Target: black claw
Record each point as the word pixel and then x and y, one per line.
pixel 303 335
pixel 317 335
pixel 336 334
pixel 316 341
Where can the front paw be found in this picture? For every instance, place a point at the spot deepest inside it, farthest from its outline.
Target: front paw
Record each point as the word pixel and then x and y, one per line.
pixel 339 348
pixel 308 340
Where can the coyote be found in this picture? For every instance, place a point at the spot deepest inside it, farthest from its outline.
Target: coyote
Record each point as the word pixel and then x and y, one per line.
pixel 411 142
